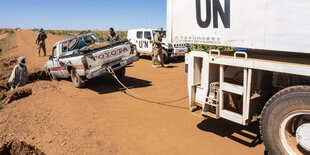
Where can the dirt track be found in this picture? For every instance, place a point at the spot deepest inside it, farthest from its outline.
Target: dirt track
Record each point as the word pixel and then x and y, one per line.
pixel 60 119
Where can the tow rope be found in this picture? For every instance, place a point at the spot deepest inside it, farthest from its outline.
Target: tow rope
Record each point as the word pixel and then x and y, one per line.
pixel 137 96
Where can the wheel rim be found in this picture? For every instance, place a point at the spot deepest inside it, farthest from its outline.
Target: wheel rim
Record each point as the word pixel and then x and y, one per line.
pixel 294 124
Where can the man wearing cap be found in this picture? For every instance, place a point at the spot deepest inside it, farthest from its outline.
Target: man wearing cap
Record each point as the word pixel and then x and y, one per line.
pixel 157 49
pixel 112 37
pixel 19 76
pixel 41 42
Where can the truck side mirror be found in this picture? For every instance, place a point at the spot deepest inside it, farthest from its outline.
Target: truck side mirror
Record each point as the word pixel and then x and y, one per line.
pixel 50 57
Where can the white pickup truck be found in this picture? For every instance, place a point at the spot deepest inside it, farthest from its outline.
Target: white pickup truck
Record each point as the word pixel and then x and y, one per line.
pixel 142 39
pixel 82 57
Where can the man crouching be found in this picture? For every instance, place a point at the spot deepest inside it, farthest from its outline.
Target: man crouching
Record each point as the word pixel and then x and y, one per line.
pixel 19 76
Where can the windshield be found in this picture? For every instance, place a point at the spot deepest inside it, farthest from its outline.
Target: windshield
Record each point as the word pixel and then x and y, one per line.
pixel 78 43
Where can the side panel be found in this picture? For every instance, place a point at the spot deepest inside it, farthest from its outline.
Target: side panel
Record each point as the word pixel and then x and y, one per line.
pixel 279 25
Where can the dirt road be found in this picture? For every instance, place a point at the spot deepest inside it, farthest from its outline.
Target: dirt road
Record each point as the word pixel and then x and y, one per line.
pixel 100 119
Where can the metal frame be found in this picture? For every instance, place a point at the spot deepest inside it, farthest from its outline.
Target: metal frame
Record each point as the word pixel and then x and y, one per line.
pixel 198 94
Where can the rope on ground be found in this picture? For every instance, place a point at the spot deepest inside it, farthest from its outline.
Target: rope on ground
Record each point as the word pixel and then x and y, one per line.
pixel 137 96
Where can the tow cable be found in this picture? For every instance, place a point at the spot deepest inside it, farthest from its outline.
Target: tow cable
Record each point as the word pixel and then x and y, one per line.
pixel 137 96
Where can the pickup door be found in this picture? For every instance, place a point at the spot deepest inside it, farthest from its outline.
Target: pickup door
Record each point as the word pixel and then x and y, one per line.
pixel 103 57
pixel 54 65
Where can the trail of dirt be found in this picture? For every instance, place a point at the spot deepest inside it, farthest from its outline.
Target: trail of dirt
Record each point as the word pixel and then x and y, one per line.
pixel 100 119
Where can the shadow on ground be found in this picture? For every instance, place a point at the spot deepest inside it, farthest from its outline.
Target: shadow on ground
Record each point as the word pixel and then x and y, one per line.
pixel 246 135
pixel 170 61
pixel 107 84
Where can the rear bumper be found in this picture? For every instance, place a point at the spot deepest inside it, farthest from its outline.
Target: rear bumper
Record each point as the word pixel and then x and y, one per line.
pixel 115 65
pixel 179 52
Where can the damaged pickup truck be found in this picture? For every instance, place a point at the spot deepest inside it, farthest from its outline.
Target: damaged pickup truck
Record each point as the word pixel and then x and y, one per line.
pixel 82 58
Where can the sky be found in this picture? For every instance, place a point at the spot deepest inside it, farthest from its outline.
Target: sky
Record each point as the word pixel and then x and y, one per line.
pixel 83 14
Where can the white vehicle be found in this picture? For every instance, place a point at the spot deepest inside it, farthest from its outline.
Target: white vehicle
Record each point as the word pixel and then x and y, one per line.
pixel 82 58
pixel 142 39
pixel 270 82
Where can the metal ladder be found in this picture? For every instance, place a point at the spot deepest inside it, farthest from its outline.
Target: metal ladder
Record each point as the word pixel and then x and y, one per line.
pixel 242 90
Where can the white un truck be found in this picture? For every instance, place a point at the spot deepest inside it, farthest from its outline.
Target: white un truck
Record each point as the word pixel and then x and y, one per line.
pixel 142 39
pixel 269 82
pixel 82 58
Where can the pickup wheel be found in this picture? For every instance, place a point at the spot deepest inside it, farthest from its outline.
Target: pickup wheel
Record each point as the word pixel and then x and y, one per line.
pixel 76 79
pixel 120 73
pixel 285 121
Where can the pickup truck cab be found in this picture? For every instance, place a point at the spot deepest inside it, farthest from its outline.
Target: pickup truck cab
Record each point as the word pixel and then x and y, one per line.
pixel 82 58
pixel 142 39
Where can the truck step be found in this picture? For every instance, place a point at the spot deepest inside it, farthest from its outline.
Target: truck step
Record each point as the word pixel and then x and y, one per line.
pixel 210 114
pixel 232 88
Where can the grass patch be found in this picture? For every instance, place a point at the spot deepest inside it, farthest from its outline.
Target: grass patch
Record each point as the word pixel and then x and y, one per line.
pixel 7 44
pixel 9 31
pixel 207 48
pixel 1 105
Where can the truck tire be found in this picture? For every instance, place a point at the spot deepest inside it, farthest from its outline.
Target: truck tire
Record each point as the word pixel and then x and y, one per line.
pixel 165 56
pixel 120 73
pixel 285 122
pixel 76 79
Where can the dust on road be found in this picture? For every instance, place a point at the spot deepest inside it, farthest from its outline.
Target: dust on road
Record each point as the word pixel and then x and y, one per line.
pixel 101 119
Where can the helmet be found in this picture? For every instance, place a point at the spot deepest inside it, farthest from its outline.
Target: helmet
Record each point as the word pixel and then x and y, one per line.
pixel 41 29
pixel 160 29
pixel 22 60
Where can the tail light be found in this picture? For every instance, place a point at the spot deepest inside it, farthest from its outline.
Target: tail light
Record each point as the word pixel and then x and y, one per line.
pixel 84 62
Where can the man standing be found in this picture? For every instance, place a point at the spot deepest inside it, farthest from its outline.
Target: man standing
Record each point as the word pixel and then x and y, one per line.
pixel 157 49
pixel 19 76
pixel 41 42
pixel 113 37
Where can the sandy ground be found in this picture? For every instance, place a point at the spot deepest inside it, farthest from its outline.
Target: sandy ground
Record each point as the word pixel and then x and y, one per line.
pixel 99 119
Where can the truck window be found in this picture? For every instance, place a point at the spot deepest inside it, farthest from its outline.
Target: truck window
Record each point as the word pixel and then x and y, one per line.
pixel 65 47
pixel 72 43
pixel 147 35
pixel 163 35
pixel 139 34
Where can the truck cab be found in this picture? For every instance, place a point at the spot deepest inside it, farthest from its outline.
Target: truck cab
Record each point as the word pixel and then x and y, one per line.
pixel 142 39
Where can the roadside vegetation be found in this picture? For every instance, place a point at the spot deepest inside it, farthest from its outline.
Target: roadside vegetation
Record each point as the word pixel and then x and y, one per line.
pixel 9 31
pixel 207 48
pixel 1 105
pixel 7 43
pixel 102 35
